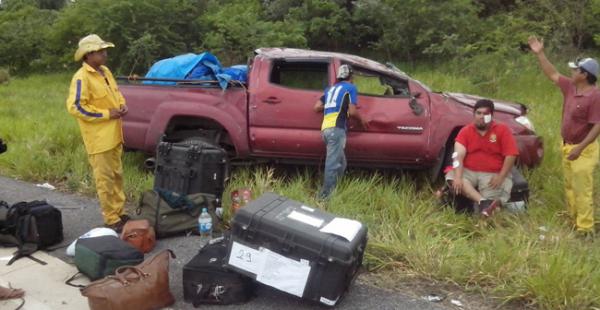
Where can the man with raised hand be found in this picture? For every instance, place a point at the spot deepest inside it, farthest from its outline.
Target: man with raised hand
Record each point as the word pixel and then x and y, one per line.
pixel 98 105
pixel 579 130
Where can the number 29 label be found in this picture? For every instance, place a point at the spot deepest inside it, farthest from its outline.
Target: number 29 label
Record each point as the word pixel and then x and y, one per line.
pixel 245 258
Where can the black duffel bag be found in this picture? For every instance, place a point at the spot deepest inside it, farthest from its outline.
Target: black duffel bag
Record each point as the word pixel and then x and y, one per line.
pixel 206 281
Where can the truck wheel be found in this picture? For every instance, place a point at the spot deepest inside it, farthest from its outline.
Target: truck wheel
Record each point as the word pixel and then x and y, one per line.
pixel 436 171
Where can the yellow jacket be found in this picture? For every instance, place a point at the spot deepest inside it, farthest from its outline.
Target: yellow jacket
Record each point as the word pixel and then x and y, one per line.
pixel 90 97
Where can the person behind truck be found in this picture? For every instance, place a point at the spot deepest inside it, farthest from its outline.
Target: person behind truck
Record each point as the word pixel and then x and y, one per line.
pixel 98 105
pixel 580 129
pixel 337 103
pixel 485 154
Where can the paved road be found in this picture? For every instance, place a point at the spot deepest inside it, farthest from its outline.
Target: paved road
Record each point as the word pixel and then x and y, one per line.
pixel 80 214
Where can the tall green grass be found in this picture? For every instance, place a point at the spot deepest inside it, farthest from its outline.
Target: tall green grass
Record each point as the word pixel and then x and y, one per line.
pixel 533 258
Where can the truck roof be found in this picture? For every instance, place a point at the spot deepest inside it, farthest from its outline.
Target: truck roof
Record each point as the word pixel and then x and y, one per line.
pixel 276 52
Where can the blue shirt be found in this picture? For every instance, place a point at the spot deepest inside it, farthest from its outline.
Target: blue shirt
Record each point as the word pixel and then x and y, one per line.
pixel 336 100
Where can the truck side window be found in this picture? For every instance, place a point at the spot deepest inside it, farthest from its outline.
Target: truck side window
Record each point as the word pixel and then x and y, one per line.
pixel 303 75
pixel 375 84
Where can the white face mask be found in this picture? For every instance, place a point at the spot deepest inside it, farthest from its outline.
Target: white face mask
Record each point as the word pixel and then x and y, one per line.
pixel 487 118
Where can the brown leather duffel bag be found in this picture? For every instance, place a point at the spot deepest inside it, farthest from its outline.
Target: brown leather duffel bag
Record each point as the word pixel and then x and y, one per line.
pixel 141 287
pixel 140 234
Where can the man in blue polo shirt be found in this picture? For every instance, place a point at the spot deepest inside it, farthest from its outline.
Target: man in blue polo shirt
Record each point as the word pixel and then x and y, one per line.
pixel 338 102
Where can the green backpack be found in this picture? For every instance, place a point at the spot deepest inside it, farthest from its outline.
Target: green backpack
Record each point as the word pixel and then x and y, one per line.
pixel 172 214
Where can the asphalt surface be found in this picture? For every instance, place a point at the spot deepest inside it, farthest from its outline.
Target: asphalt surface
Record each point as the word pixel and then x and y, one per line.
pixel 80 214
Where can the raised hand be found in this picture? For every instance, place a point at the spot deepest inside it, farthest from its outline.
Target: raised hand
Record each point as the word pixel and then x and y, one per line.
pixel 536 45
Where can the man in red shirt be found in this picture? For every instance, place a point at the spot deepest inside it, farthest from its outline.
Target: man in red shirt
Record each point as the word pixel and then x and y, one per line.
pixel 485 152
pixel 580 129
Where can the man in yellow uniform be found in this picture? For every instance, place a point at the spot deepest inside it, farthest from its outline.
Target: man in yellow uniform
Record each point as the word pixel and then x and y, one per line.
pixel 98 105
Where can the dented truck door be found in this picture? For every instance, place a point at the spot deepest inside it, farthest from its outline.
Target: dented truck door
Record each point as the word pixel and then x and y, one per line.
pixel 398 120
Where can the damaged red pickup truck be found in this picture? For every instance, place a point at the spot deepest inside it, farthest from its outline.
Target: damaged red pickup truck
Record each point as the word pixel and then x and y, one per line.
pixel 271 117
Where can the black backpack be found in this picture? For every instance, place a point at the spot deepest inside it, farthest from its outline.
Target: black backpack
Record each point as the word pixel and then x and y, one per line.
pixel 30 226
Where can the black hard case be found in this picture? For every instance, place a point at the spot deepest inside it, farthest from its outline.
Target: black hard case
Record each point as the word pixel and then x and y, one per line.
pixel 520 189
pixel 207 281
pixel 191 167
pixel 334 261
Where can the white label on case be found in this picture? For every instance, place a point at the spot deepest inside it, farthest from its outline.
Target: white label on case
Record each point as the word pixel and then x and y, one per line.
pixel 303 207
pixel 328 302
pixel 342 227
pixel 283 273
pixel 245 258
pixel 306 219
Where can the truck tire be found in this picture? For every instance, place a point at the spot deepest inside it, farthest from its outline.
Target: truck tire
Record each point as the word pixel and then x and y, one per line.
pixel 436 171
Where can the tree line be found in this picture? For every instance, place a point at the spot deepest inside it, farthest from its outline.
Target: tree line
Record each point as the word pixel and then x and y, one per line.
pixel 41 35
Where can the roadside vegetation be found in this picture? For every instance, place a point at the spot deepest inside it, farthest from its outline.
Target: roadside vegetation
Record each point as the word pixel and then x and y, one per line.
pixel 531 259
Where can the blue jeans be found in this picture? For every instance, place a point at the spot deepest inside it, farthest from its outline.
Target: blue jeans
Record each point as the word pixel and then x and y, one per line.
pixel 335 162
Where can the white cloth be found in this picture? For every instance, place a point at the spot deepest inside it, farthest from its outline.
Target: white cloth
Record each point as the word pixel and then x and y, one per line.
pixel 95 232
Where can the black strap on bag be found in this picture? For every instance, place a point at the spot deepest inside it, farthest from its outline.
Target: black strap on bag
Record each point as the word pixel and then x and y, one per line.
pixel 25 242
pixel 17 230
pixel 157 214
pixel 19 227
pixel 218 294
pixel 69 282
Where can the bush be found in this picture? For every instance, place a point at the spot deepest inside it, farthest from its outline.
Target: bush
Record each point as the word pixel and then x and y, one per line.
pixel 23 33
pixel 235 30
pixel 4 76
pixel 142 31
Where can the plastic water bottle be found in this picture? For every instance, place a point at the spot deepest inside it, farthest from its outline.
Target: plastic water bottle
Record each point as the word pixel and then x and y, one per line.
pixel 205 226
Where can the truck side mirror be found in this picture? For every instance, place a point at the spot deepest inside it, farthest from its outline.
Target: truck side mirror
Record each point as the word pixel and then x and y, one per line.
pixel 415 106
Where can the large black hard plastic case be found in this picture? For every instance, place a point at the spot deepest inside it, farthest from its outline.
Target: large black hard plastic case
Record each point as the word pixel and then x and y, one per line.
pixel 334 261
pixel 190 168
pixel 520 189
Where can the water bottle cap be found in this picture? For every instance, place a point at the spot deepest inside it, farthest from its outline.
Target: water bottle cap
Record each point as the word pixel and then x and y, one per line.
pixel 204 210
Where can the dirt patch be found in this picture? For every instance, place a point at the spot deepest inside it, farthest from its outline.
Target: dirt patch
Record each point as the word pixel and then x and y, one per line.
pixel 419 287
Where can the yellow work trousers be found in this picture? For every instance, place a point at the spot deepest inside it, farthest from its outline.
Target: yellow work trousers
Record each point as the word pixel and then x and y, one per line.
pixel 579 185
pixel 108 174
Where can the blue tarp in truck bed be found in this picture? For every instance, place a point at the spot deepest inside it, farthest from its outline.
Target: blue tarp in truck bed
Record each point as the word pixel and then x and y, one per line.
pixel 191 66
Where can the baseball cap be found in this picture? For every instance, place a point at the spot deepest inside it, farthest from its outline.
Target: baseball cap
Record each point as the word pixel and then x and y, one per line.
pixel 588 64
pixel 90 43
pixel 344 72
